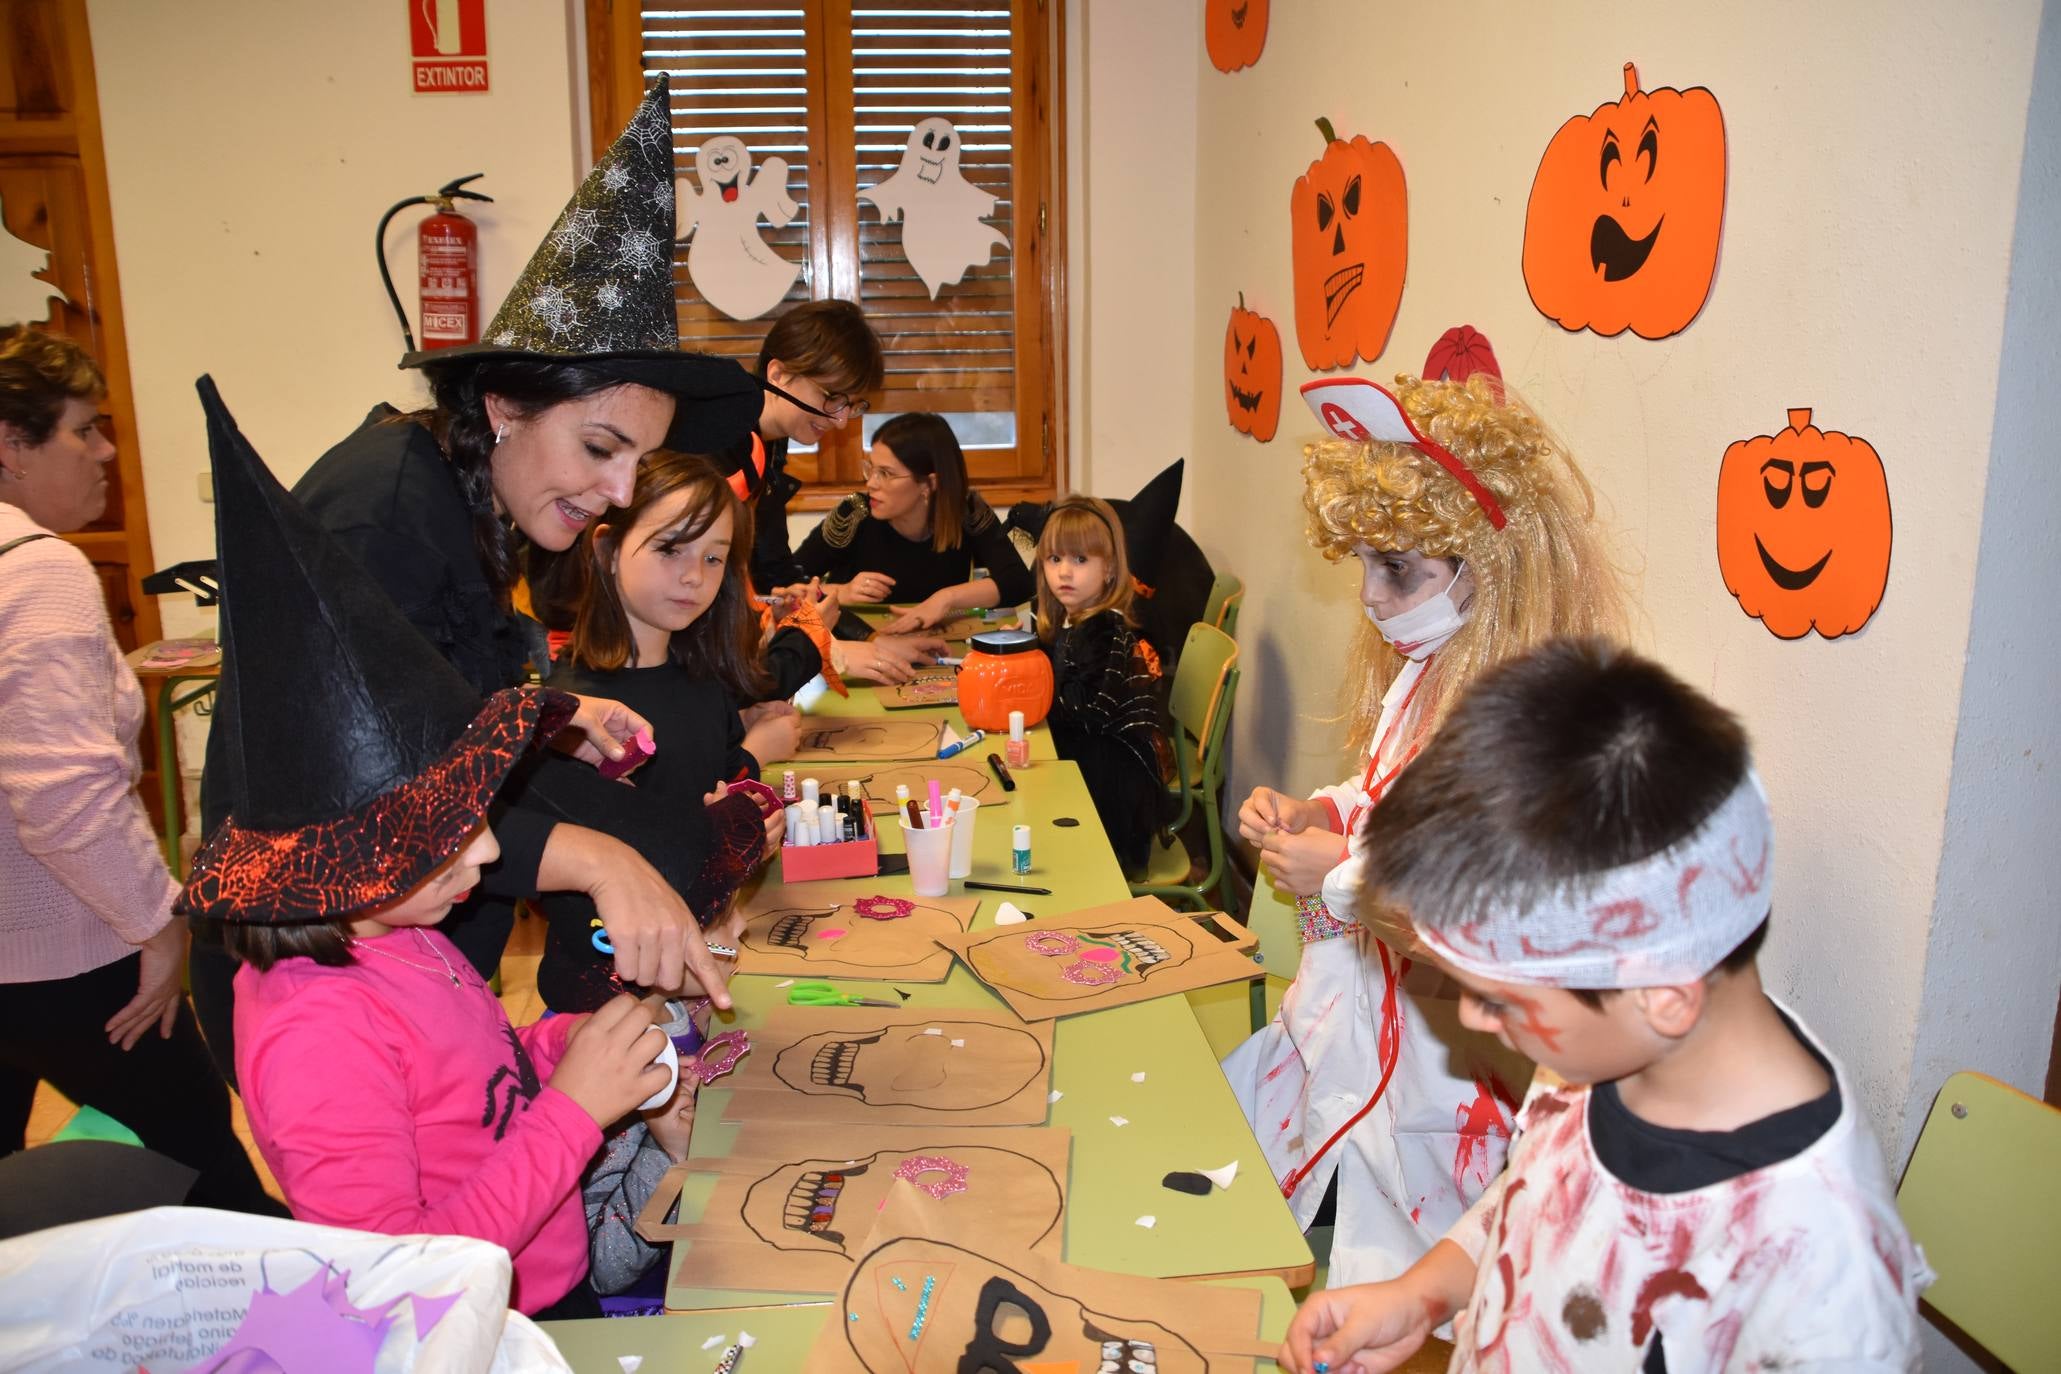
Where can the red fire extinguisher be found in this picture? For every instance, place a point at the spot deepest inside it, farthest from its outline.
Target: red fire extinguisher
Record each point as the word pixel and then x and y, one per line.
pixel 447 267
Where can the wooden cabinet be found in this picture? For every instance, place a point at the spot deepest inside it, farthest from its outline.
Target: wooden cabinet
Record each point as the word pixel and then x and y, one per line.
pixel 53 196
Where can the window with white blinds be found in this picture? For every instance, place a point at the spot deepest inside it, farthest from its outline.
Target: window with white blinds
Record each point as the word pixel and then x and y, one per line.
pixel 835 88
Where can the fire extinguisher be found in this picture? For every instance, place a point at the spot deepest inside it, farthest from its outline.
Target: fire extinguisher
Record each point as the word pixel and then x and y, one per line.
pixel 447 267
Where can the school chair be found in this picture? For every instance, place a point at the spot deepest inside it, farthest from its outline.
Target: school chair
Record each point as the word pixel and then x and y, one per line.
pixel 1983 1198
pixel 1226 599
pixel 1205 685
pixel 1230 1012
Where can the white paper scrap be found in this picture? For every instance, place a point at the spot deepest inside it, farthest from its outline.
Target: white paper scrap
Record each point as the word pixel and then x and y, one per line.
pixel 630 1363
pixel 783 983
pixel 934 1030
pixel 746 1339
pixel 1137 1078
pixel 713 1341
pixel 1119 1121
pixel 1148 1222
pixel 1007 915
pixel 958 1044
pixel 1054 1095
pixel 1222 1177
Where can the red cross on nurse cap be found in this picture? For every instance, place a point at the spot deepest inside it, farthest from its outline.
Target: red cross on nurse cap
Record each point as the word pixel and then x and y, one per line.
pixel 1356 409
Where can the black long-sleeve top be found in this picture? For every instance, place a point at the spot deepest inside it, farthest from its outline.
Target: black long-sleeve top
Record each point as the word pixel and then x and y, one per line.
pixel 850 541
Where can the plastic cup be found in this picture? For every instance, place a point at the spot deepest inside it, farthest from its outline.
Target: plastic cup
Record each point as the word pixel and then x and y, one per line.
pixel 930 857
pixel 962 837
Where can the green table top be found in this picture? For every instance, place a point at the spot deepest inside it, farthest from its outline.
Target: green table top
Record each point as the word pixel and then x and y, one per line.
pixel 864 702
pixel 673 1344
pixel 1182 1116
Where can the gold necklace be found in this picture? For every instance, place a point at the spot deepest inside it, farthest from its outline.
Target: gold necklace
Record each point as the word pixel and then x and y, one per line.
pixel 449 972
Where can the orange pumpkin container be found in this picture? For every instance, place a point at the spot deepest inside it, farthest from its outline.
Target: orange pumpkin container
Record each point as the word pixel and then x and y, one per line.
pixel 1004 671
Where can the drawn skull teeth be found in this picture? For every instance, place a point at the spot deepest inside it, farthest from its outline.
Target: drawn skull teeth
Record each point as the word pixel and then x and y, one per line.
pixel 832 1066
pixel 791 930
pixel 812 1201
pixel 1145 953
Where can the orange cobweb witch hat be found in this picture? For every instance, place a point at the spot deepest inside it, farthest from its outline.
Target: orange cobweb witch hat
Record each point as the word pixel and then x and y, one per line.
pixel 359 759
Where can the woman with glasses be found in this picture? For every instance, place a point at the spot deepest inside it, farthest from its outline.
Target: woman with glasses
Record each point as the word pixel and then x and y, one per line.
pixel 819 359
pixel 918 533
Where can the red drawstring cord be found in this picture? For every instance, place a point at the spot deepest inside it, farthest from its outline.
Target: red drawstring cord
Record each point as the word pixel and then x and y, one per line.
pixel 1392 1007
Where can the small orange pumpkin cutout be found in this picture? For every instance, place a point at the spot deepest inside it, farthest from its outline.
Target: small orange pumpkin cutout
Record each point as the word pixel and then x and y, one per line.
pixel 1252 372
pixel 1622 228
pixel 1350 237
pixel 1234 31
pixel 1803 529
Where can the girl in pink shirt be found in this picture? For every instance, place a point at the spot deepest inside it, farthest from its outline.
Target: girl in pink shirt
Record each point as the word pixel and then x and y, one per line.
pixel 386 1088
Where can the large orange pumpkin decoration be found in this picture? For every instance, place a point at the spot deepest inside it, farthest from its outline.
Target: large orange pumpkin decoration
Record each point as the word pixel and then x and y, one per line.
pixel 1803 529
pixel 1234 31
pixel 1351 241
pixel 1252 372
pixel 1625 213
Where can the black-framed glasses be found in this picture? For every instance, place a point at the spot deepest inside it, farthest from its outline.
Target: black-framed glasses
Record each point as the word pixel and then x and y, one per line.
pixel 839 406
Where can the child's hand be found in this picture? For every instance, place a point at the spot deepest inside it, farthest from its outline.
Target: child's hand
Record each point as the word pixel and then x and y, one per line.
pixel 672 1125
pixel 1371 1327
pixel 1299 860
pixel 773 733
pixel 1267 810
pixel 929 613
pixel 611 1062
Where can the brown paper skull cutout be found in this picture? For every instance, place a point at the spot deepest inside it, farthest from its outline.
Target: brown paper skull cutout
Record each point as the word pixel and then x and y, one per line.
pixel 824 1206
pixel 1064 965
pixel 917 1066
pixel 921 1305
pixel 889 933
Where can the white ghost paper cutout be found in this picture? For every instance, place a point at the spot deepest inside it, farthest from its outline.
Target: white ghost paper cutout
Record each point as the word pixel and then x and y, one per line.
pixel 23 298
pixel 944 233
pixel 735 269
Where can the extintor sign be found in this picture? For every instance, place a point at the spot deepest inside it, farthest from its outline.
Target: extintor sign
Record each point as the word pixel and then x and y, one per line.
pixel 448 39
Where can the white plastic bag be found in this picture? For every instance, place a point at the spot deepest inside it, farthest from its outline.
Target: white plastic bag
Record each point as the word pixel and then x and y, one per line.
pixel 182 1290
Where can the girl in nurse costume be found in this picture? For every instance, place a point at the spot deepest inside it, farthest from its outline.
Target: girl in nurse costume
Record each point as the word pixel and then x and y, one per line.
pixel 1473 531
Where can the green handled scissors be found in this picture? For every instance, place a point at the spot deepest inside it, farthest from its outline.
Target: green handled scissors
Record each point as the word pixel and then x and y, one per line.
pixel 824 995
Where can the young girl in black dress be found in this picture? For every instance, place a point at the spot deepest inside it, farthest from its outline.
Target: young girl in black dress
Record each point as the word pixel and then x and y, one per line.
pixel 663 619
pixel 1106 714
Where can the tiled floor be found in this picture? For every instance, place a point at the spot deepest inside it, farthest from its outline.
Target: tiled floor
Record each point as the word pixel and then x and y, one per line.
pixel 518 995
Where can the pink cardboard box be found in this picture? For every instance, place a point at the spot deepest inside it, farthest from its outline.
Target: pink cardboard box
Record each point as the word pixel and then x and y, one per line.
pixel 803 863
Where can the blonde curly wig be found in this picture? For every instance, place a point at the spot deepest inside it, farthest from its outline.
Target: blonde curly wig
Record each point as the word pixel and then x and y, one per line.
pixel 1545 574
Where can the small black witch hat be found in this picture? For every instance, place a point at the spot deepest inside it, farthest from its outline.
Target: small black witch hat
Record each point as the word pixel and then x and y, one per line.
pixel 362 760
pixel 599 292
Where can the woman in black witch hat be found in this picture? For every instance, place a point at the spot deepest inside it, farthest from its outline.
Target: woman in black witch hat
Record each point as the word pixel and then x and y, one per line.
pixel 531 433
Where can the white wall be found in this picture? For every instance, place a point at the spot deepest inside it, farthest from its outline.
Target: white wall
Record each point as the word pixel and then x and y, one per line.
pixel 1874 157
pixel 1995 942
pixel 251 148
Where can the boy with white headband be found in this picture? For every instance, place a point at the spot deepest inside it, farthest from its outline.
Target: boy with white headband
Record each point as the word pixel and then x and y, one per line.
pixel 1586 847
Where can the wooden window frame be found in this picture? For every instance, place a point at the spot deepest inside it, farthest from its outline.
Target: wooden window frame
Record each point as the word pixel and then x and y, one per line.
pixel 615 85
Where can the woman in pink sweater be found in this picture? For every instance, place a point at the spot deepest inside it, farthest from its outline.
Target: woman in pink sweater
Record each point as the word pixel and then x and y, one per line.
pixel 385 1085
pixel 88 950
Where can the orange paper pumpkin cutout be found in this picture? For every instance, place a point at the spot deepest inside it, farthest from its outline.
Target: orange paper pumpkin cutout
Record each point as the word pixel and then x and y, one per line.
pixel 1252 373
pixel 1350 237
pixel 1625 213
pixel 1234 31
pixel 1803 529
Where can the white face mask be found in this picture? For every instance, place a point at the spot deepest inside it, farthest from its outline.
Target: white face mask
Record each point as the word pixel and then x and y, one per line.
pixel 1423 629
